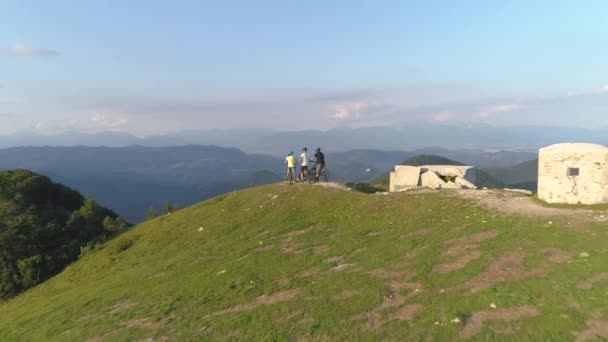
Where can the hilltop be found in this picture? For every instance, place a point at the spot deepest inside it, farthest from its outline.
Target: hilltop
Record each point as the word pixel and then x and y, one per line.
pixel 282 262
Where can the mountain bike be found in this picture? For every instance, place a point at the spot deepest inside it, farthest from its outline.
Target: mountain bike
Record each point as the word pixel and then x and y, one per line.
pixel 306 177
pixel 323 174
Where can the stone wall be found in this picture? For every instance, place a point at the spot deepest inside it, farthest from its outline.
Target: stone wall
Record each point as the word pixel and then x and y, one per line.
pixel 573 174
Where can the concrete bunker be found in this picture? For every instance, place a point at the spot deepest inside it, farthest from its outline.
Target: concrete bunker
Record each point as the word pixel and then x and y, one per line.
pixel 405 177
pixel 573 174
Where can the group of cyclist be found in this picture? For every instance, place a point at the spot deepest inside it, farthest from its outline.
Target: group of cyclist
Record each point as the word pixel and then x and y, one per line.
pixel 318 158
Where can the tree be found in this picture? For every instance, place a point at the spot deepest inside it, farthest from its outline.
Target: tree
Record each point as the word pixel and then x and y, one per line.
pixel 152 213
pixel 170 207
pixel 44 227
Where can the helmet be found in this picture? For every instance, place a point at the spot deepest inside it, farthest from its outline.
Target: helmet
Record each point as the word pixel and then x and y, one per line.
pixel 290 152
pixel 318 149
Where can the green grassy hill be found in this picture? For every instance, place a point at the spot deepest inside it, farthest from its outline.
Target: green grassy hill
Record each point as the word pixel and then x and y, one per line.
pixel 297 262
pixel 484 180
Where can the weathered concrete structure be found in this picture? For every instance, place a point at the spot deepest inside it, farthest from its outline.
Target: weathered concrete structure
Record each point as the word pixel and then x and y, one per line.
pixel 405 177
pixel 573 174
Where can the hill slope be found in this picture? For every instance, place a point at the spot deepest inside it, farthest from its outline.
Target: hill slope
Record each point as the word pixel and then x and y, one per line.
pixel 277 263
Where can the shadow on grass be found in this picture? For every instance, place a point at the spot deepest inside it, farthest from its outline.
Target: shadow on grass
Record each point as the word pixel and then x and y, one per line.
pixel 367 188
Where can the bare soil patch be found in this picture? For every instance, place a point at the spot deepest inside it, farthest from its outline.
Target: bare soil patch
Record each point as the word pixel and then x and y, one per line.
pixel 408 312
pixel 414 253
pixel 319 249
pixel 472 239
pixel 415 233
pixel 122 306
pixel 141 323
pixel 309 272
pixel 264 248
pixel 475 323
pixel 278 297
pixel 515 203
pixel 588 283
pixel 461 262
pixel 393 300
pixel 341 267
pixel 556 255
pixel 334 259
pixel 290 245
pixel 595 329
pixel 295 233
pixel 508 268
pixel 360 250
pixel 461 251
pixel 159 339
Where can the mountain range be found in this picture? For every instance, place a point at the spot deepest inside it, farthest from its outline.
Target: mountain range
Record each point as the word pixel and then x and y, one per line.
pixel 271 142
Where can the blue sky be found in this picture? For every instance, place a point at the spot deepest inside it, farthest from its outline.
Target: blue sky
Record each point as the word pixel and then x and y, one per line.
pixel 155 66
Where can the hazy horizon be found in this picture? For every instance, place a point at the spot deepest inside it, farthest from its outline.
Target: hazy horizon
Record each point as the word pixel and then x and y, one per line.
pixel 148 68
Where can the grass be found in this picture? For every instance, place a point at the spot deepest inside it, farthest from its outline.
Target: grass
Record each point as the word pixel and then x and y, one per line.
pixel 301 262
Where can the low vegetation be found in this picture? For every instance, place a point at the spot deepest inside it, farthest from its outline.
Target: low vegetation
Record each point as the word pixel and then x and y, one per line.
pixel 44 227
pixel 283 262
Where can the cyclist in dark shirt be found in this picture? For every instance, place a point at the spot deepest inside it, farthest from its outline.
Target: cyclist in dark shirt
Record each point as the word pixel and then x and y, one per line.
pixel 320 159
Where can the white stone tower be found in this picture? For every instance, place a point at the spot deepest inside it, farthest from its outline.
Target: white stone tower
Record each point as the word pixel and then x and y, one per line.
pixel 573 174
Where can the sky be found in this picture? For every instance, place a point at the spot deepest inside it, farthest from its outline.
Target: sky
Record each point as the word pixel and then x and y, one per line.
pixel 152 67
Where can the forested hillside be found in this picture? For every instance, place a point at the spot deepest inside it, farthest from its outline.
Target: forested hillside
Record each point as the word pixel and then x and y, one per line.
pixel 44 226
pixel 524 175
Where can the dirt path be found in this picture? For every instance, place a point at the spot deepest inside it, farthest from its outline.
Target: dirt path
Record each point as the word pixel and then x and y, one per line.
pixel 515 203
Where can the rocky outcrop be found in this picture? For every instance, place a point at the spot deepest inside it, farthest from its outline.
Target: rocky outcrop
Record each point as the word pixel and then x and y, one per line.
pixel 406 177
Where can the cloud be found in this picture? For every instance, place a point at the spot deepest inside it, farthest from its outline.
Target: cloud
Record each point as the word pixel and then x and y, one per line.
pixel 489 111
pixel 350 110
pixel 443 116
pixel 103 121
pixel 96 123
pixel 20 50
pixel 601 90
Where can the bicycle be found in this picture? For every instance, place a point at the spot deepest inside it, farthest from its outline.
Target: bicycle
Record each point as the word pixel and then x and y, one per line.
pixel 323 174
pixel 305 176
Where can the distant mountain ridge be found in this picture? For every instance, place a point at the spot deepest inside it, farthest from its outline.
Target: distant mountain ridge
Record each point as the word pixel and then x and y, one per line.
pixel 265 141
pixel 520 176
